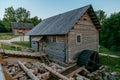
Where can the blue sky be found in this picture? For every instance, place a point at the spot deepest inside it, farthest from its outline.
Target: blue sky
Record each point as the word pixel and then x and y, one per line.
pixel 47 8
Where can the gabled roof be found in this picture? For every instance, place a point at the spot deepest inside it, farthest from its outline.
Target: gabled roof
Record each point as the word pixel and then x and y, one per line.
pixel 62 23
pixel 22 25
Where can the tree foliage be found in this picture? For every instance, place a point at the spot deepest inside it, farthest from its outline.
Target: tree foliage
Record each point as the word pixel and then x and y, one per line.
pixel 35 20
pixel 9 17
pixel 101 15
pixel 21 14
pixel 110 34
pixel 18 15
pixel 2 27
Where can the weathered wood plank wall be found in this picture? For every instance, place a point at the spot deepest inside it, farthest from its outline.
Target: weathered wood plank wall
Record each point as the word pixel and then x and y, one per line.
pixel 56 49
pixel 89 37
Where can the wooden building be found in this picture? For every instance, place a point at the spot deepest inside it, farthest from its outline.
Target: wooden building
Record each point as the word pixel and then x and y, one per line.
pixel 65 35
pixel 21 28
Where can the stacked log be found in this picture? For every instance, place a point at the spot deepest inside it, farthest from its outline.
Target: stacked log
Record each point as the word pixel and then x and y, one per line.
pixel 16 72
pixel 29 73
pixel 41 71
pixel 55 72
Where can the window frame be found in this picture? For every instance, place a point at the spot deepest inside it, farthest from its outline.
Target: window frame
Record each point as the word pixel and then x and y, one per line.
pixel 80 37
pixel 54 39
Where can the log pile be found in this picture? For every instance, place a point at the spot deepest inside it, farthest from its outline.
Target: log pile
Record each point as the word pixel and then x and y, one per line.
pixel 31 71
pixel 16 72
pixel 27 71
pixel 41 71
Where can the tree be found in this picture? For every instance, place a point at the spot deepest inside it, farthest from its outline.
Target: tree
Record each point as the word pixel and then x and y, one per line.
pixel 9 17
pixel 2 27
pixel 110 35
pixel 35 20
pixel 18 15
pixel 101 15
pixel 21 14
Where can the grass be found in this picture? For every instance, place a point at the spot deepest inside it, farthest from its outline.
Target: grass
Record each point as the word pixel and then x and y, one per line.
pixel 104 50
pixel 23 43
pixel 107 51
pixel 7 47
pixel 6 36
pixel 112 63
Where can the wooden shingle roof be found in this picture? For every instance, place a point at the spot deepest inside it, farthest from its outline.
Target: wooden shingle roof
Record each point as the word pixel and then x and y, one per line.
pixel 22 25
pixel 62 23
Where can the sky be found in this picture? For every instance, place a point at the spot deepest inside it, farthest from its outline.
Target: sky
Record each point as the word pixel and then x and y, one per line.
pixel 46 8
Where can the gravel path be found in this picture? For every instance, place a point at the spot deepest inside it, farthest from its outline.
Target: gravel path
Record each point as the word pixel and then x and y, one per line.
pixel 26 38
pixel 114 56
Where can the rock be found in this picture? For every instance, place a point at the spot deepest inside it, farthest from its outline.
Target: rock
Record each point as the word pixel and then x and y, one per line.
pixel 114 73
pixel 113 78
pixel 72 78
pixel 23 78
pixel 35 70
pixel 79 78
pixel 41 70
pixel 106 73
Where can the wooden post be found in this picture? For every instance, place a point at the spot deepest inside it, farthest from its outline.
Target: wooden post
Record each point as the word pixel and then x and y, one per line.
pixel 7 75
pixel 29 73
pixel 66 53
pixel 54 72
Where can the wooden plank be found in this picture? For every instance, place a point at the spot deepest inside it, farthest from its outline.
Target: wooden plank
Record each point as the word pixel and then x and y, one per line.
pixel 68 67
pixel 84 78
pixel 24 54
pixel 54 72
pixel 7 75
pixel 29 73
pixel 75 72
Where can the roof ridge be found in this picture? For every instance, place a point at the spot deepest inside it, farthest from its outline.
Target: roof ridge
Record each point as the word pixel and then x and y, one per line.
pixel 69 11
pixel 59 24
pixel 20 23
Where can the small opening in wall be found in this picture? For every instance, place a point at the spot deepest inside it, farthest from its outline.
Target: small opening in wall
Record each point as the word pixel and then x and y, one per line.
pixel 84 19
pixel 54 38
pixel 78 38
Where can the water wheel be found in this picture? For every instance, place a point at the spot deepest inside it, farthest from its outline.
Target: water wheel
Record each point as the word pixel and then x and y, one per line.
pixel 89 59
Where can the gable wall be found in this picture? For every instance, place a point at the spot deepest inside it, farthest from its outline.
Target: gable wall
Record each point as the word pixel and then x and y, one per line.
pixel 16 31
pixel 89 37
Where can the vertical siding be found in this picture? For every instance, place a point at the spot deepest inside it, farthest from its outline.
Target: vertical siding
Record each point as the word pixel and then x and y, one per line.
pixel 34 44
pixel 89 37
pixel 56 49
pixel 15 31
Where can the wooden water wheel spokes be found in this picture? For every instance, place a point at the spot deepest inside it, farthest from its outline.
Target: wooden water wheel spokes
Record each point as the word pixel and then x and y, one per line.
pixel 89 59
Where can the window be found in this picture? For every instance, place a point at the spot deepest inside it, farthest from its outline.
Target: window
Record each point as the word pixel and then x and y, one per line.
pixel 84 19
pixel 78 38
pixel 54 38
pixel 33 42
